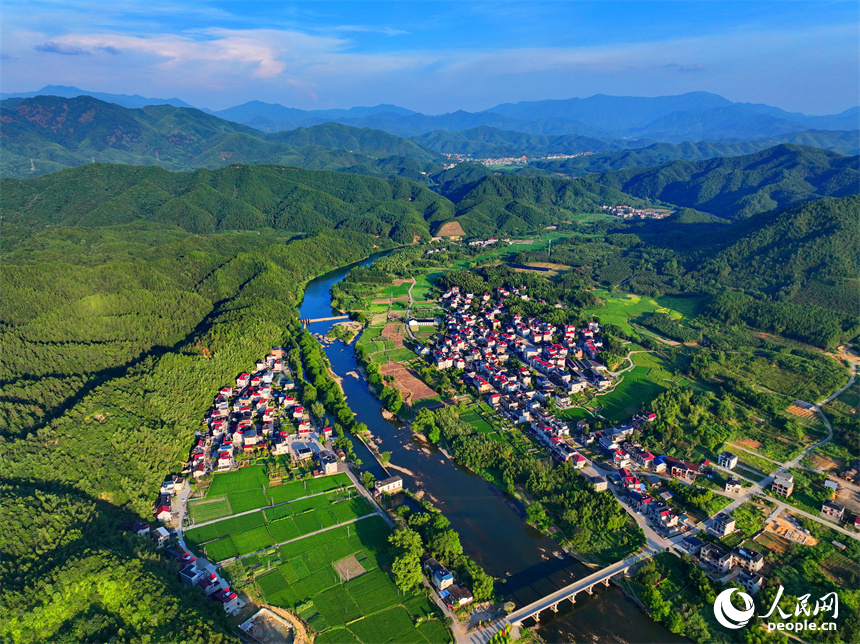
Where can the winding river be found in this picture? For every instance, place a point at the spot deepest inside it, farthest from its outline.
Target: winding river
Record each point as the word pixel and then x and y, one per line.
pixel 490 525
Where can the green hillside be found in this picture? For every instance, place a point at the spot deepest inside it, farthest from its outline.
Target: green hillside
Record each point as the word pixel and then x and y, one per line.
pixel 660 153
pixel 607 154
pixel 57 133
pixel 812 241
pixel 232 198
pixel 486 141
pixel 489 203
pixel 375 143
pixel 738 187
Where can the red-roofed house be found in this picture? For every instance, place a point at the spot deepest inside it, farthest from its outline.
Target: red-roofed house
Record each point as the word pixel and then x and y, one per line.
pixel 162 513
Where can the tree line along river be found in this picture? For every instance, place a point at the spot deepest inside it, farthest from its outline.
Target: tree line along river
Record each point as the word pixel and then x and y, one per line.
pixel 491 526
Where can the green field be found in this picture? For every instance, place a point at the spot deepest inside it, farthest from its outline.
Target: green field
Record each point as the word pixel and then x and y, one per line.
pixel 252 540
pixel 221 549
pixel 248 500
pixel 632 395
pixel 621 308
pixel 246 478
pixel 477 421
pixel 367 608
pixel 202 511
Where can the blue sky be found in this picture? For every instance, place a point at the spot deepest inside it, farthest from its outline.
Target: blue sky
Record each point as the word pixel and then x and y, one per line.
pixel 437 56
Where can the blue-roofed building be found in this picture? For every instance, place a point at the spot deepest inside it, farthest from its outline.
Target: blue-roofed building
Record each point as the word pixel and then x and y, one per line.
pixel 440 577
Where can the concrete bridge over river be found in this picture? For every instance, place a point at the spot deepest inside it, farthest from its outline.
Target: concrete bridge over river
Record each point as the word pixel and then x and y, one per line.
pixel 551 601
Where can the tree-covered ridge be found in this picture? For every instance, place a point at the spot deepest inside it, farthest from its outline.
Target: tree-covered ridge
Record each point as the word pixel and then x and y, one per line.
pixel 72 573
pixel 781 253
pixel 64 132
pixel 660 153
pixel 739 187
pixel 233 198
pixel 488 203
pixel 375 143
pixel 488 142
pixel 90 459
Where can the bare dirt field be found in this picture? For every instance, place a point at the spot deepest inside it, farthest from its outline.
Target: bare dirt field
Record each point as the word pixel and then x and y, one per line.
pixel 270 628
pixel 789 529
pixel 799 411
pixel 349 568
pixel 850 498
pixel 394 332
pixel 450 229
pixel 825 463
pixel 749 443
pixel 409 384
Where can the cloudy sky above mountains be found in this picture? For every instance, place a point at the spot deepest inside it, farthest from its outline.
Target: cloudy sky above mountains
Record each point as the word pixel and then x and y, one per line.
pixel 438 56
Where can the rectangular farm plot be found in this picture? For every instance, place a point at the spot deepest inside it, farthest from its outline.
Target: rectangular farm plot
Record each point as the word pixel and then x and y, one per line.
pixel 196 536
pixel 278 512
pixel 288 492
pixel 374 591
pixel 241 524
pixel 349 510
pixel 202 511
pixel 284 530
pixel 310 503
pixel 435 632
pixel 337 607
pixel 246 478
pixel 308 522
pixel 315 583
pixel 252 540
pixel 336 636
pixel 221 549
pixel 271 583
pixel 389 625
pixel 248 500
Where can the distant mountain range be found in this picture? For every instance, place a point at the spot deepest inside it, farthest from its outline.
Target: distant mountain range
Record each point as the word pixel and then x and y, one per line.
pixel 57 132
pixel 48 133
pixel 694 116
pixel 126 100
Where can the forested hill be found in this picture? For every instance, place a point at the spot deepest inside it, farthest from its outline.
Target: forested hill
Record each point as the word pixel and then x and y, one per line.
pixel 795 253
pixel 660 153
pixel 296 200
pixel 364 140
pixel 793 272
pixel 488 203
pixel 114 339
pixel 56 133
pixel 486 141
pixel 233 198
pixel 609 154
pixel 738 187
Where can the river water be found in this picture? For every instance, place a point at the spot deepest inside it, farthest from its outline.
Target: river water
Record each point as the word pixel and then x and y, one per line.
pixel 490 525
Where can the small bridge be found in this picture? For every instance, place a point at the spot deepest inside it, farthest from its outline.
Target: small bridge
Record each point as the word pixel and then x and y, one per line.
pixel 307 321
pixel 586 584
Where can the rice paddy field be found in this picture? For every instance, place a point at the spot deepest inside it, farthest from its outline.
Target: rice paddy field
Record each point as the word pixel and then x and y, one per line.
pixel 291 512
pixel 338 583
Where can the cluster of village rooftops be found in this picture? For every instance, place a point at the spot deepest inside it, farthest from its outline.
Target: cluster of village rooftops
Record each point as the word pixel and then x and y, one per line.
pixel 565 360
pixel 260 413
